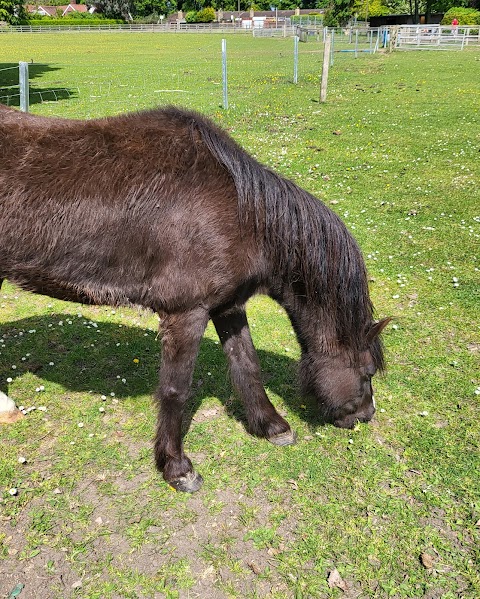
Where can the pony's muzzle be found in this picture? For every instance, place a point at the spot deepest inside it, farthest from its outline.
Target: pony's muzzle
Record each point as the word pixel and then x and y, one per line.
pixel 350 420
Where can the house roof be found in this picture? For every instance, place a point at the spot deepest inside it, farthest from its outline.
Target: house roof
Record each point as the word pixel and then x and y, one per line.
pixel 45 9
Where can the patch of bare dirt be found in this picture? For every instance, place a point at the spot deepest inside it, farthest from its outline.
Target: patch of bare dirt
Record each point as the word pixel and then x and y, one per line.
pixel 47 575
pixel 123 532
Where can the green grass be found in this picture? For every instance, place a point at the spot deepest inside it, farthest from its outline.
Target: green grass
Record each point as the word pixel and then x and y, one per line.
pixel 395 152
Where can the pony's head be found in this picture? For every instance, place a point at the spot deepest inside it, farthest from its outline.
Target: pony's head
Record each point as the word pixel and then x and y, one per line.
pixel 342 384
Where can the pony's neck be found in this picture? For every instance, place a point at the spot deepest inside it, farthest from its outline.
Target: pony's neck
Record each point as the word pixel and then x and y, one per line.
pixel 314 328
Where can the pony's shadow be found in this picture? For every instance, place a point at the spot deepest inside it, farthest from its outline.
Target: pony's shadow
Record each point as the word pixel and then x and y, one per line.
pixel 10 91
pixel 104 357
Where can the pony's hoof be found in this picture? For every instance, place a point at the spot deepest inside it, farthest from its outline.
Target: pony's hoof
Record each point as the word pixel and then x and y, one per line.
pixel 10 417
pixel 282 439
pixel 189 483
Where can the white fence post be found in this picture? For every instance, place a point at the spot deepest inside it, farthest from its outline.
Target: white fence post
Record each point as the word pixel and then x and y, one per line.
pixel 295 59
pixel 224 74
pixel 23 83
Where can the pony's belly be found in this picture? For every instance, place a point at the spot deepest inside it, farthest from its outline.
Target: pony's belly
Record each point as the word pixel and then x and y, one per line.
pixel 171 288
pixel 55 289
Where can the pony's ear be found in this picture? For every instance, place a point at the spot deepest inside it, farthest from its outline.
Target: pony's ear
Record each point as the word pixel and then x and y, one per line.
pixel 377 327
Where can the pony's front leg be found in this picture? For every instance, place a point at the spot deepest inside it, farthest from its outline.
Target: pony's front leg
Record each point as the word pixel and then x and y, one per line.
pixel 8 410
pixel 262 418
pixel 180 342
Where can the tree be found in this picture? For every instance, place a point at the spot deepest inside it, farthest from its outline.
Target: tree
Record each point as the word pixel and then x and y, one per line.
pixel 338 13
pixel 144 8
pixel 192 5
pixel 12 11
pixel 370 8
pixel 115 9
pixel 427 7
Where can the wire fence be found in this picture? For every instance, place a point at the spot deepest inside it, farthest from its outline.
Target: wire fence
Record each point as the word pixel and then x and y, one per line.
pixel 191 74
pixel 17 92
pixel 190 77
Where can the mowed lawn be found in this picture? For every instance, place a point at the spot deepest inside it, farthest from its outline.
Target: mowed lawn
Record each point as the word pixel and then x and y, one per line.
pixel 393 506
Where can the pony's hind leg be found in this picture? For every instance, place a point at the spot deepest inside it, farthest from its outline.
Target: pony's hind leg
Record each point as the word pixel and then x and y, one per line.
pixel 262 418
pixel 181 335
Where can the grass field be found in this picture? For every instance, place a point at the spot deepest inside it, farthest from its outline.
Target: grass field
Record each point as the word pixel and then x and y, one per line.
pixel 394 506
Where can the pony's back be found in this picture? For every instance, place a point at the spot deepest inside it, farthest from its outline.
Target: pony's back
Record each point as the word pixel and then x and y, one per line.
pixel 128 209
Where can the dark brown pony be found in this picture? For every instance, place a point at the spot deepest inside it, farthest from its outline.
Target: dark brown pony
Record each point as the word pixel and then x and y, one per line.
pixel 165 210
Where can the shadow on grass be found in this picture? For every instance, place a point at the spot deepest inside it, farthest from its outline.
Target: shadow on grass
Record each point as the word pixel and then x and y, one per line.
pixel 10 91
pixel 87 356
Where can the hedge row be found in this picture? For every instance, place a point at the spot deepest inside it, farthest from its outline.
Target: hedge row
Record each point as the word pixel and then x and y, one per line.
pixel 464 16
pixel 66 22
pixel 313 16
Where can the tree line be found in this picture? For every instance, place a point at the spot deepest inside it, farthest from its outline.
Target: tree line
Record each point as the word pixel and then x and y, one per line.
pixel 337 12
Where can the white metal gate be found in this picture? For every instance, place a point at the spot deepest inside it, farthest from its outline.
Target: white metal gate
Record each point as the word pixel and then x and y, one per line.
pixel 435 37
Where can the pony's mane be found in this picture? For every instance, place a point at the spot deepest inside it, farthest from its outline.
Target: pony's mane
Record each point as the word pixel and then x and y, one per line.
pixel 305 240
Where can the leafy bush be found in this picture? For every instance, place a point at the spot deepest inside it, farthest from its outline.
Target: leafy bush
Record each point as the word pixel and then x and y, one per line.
pixel 191 16
pixel 206 15
pixel 464 16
